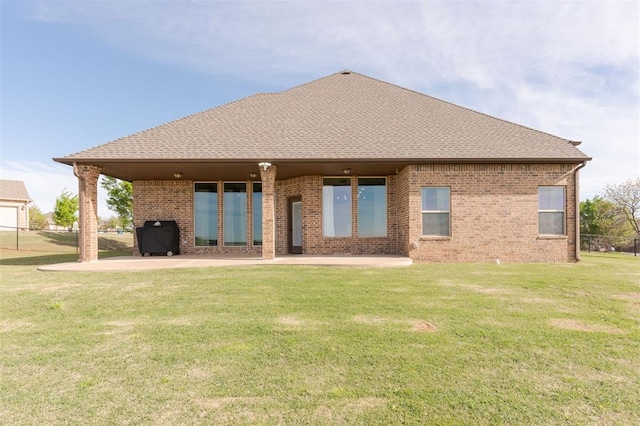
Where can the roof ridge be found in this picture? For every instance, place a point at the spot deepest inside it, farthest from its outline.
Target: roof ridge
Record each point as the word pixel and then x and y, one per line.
pixel 463 107
pixel 319 79
pixel 349 72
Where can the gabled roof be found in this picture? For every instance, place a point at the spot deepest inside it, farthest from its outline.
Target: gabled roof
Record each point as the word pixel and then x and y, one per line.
pixel 345 116
pixel 13 190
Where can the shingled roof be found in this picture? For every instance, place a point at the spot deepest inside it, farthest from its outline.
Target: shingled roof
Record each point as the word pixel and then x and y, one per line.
pixel 13 190
pixel 345 116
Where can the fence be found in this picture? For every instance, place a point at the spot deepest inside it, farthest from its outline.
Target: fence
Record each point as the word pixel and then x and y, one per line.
pixel 603 243
pixel 60 241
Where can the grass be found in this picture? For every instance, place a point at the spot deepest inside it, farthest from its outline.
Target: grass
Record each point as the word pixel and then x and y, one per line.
pixel 428 344
pixel 47 247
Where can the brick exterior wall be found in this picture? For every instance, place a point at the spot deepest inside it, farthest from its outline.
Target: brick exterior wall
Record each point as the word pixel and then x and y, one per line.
pixel 494 214
pixel 173 200
pixel 88 212
pixel 310 189
pixel 402 210
pixel 268 176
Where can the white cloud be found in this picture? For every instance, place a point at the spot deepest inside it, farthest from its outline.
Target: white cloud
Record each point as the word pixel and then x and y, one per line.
pixel 609 131
pixel 45 182
pixel 565 67
pixel 483 42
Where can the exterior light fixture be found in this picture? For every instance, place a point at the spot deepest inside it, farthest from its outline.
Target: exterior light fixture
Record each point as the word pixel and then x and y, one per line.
pixel 177 175
pixel 253 175
pixel 346 171
pixel 264 166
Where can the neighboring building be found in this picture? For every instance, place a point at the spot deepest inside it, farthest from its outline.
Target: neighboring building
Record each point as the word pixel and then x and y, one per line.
pixel 14 205
pixel 51 224
pixel 347 164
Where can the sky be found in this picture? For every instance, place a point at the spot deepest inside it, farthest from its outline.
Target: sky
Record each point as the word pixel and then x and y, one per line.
pixel 77 74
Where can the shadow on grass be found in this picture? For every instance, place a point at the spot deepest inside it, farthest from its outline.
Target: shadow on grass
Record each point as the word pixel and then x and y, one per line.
pixel 105 243
pixel 50 259
pixel 46 259
pixel 70 239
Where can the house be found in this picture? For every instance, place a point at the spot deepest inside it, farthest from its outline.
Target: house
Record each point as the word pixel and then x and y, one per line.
pixel 346 164
pixel 14 205
pixel 52 226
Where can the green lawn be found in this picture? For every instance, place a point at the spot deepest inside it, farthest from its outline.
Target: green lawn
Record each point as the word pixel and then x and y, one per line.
pixel 60 242
pixel 428 344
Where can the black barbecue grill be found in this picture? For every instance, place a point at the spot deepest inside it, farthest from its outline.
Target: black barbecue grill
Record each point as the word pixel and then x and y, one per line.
pixel 159 237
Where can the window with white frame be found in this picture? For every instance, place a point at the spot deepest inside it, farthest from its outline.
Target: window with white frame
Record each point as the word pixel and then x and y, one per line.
pixel 551 210
pixel 436 211
pixel 336 207
pixel 372 207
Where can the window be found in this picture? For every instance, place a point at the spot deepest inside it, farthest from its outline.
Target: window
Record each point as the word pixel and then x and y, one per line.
pixel 336 207
pixel 551 210
pixel 206 214
pixel 257 213
pixel 435 211
pixel 235 214
pixel 372 207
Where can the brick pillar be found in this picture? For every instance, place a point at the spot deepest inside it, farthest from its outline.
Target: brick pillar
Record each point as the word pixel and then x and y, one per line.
pixel 268 211
pixel 88 205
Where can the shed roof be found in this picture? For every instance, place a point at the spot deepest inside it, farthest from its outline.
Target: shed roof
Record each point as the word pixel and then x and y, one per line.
pixel 13 190
pixel 344 116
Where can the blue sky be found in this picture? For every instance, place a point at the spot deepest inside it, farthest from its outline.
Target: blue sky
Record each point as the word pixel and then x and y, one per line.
pixel 75 74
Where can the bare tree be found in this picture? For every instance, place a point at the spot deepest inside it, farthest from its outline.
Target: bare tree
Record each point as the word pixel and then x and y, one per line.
pixel 626 197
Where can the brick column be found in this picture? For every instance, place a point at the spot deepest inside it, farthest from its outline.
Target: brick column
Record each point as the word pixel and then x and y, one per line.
pixel 268 175
pixel 88 205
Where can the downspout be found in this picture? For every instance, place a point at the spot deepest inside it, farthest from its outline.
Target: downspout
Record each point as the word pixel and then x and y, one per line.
pixel 577 214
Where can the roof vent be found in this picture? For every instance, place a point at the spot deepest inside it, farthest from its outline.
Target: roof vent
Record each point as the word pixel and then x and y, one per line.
pixel 345 72
pixel 575 143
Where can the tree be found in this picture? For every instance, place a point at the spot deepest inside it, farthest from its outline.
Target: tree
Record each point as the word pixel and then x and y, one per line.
pixel 602 222
pixel 65 210
pixel 597 216
pixel 626 197
pixel 37 219
pixel 120 199
pixel 109 223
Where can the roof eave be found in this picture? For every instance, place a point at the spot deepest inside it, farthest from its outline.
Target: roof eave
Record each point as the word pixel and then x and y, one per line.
pixel 538 160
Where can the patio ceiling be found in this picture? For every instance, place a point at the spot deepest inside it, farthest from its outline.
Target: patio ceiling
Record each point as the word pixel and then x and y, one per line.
pixel 198 170
pixel 211 170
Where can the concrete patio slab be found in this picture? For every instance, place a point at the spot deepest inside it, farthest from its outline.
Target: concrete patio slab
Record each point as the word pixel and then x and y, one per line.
pixel 137 263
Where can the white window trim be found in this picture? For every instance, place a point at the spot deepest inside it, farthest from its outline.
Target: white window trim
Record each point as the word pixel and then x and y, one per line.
pixel 563 211
pixel 422 212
